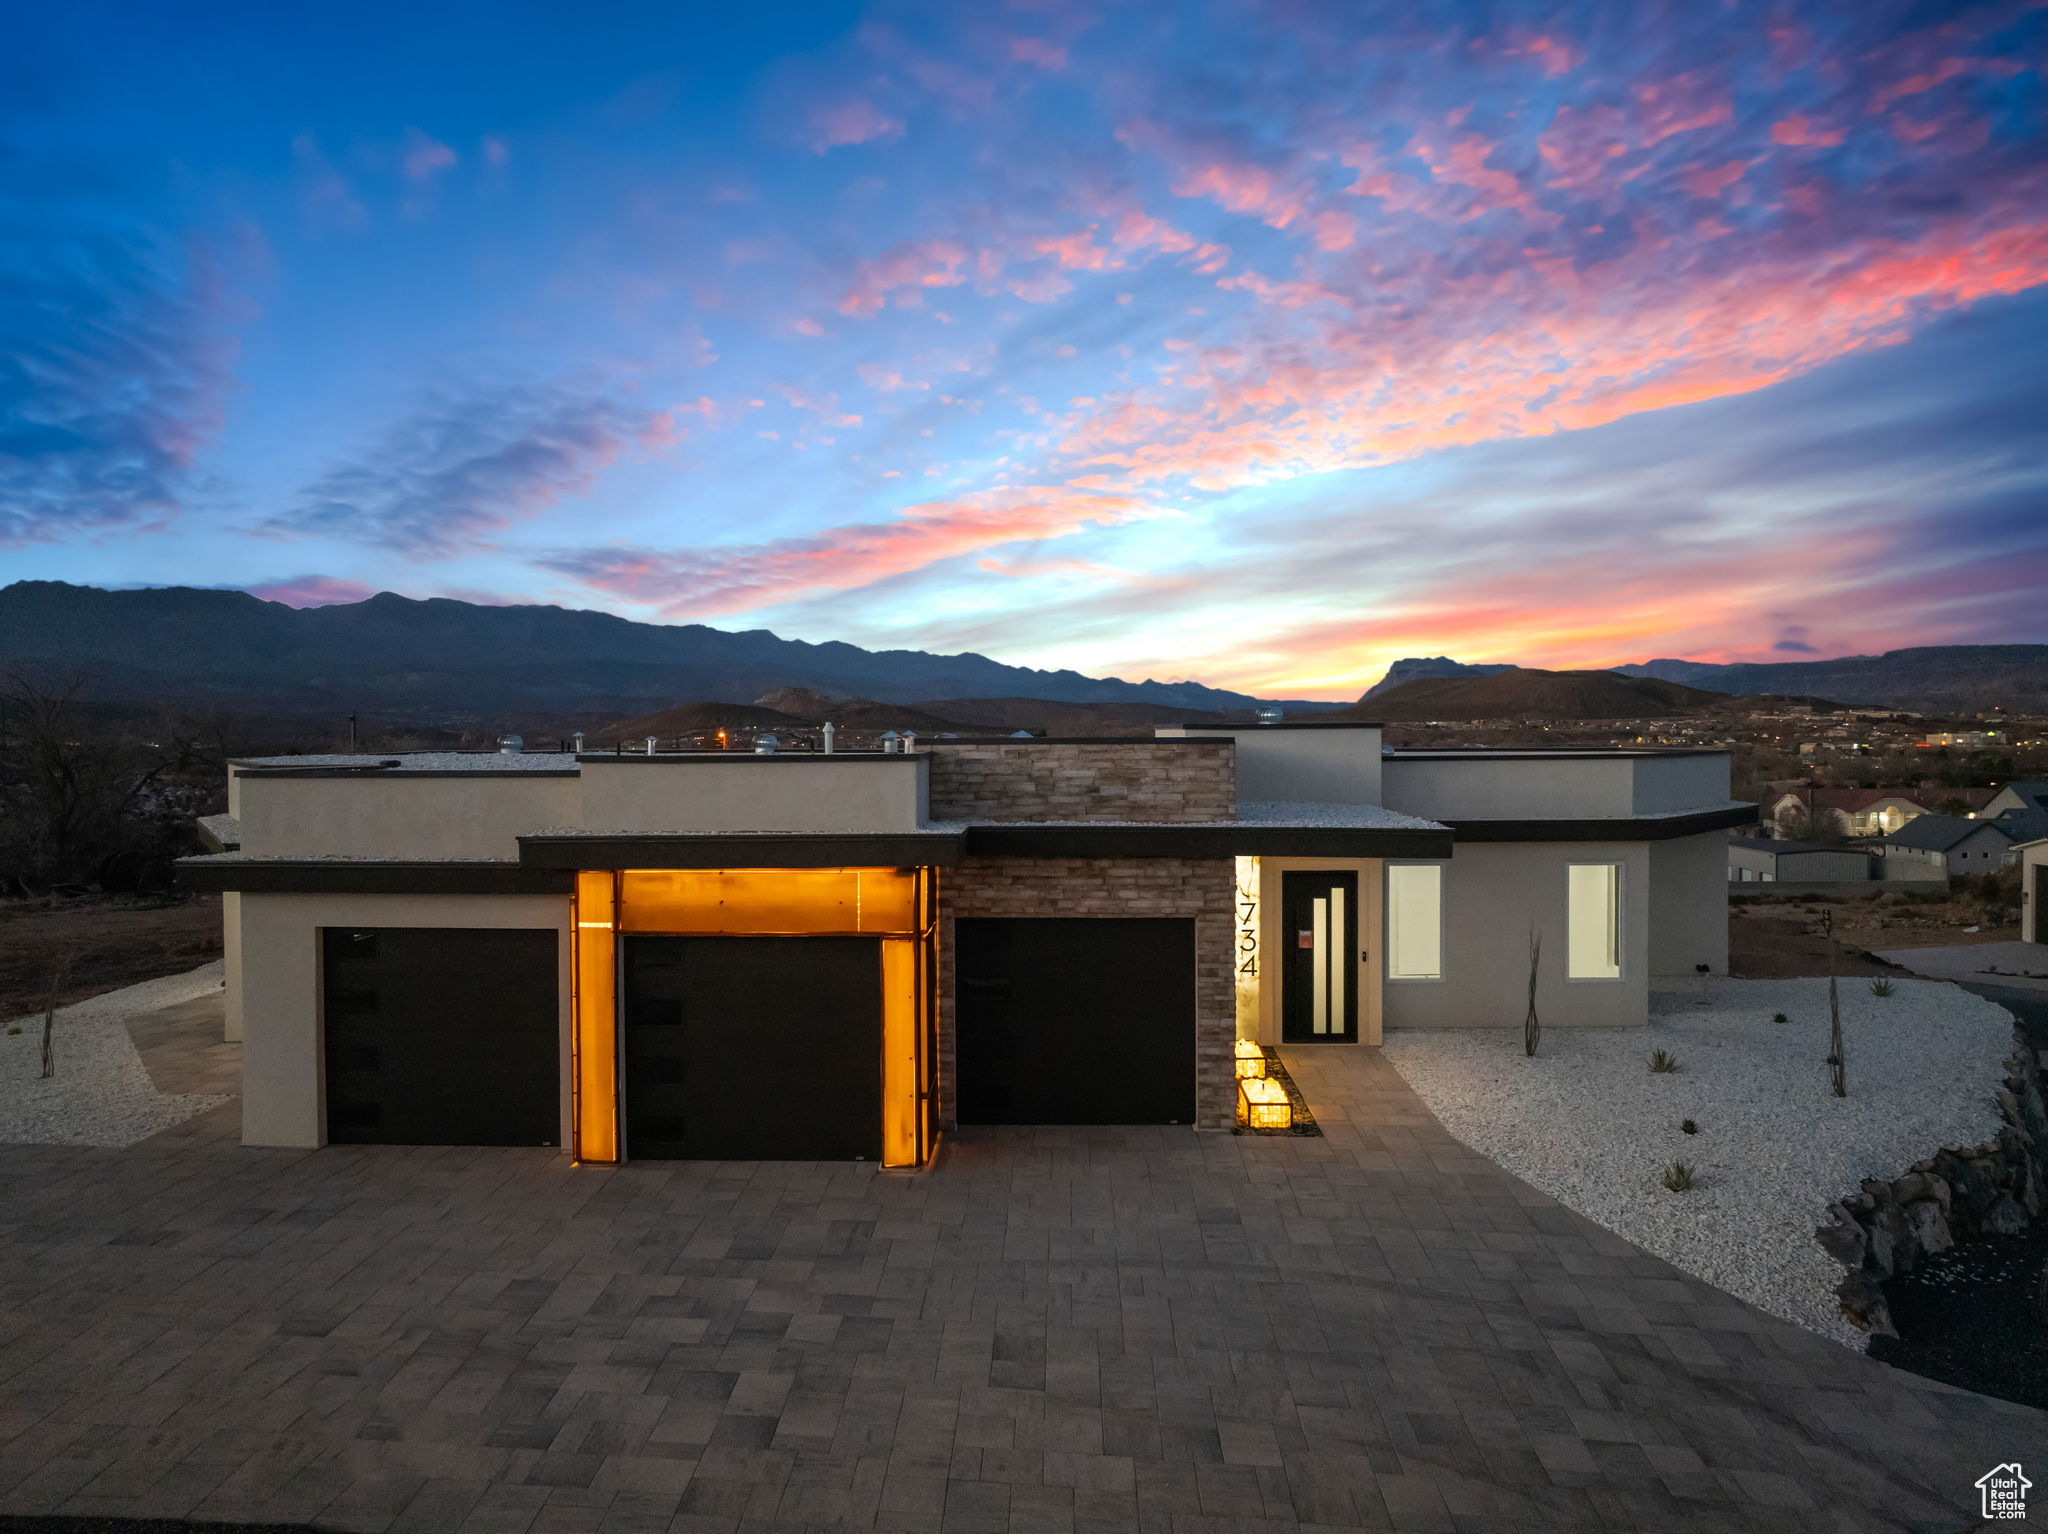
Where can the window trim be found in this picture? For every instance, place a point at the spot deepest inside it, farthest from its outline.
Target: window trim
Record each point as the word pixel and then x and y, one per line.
pixel 1387 974
pixel 1620 932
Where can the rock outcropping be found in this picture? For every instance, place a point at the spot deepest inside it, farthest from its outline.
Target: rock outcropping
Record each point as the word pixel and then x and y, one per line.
pixel 1996 1188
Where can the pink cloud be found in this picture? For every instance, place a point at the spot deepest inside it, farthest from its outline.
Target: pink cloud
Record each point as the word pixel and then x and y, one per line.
pixel 425 158
pixel 729 579
pixel 1710 181
pixel 851 122
pixel 312 591
pixel 1801 131
pixel 1214 171
pixel 1036 50
pixel 911 265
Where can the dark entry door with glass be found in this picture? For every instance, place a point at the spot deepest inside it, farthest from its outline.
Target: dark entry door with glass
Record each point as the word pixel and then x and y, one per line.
pixel 1075 1021
pixel 753 1048
pixel 442 1035
pixel 1318 939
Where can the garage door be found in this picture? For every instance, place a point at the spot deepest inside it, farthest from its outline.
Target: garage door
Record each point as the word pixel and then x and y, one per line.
pixel 753 1048
pixel 442 1036
pixel 1070 1021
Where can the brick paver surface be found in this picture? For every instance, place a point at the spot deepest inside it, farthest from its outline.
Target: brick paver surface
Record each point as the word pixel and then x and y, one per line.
pixel 1090 1329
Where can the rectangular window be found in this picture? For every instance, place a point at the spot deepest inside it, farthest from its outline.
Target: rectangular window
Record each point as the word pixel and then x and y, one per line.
pixel 1593 921
pixel 1415 921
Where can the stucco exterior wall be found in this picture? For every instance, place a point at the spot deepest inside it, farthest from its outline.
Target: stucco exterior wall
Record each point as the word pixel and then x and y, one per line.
pixel 1525 789
pixel 1666 784
pixel 275 989
pixel 400 815
pixel 743 792
pixel 1493 893
pixel 1108 887
pixel 1328 766
pixel 1177 783
pixel 2034 893
pixel 1689 905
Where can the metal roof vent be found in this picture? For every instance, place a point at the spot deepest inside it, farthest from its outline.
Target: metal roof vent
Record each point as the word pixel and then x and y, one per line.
pixel 891 743
pixel 1022 735
pixel 510 745
pixel 1269 714
pixel 765 745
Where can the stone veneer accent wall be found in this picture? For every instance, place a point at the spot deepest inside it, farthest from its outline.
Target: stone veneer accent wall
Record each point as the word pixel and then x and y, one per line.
pixel 1182 782
pixel 1112 887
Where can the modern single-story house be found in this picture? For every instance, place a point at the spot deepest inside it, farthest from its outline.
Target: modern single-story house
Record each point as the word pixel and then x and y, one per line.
pixel 1753 860
pixel 840 956
pixel 1868 811
pixel 2033 861
pixel 1950 842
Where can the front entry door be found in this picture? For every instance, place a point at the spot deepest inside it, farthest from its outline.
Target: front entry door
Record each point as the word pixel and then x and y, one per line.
pixel 753 1048
pixel 1318 944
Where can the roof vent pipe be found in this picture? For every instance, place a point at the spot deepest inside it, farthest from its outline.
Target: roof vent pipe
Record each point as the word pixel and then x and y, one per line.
pixel 576 741
pixel 1269 714
pixel 828 737
pixel 764 745
pixel 650 745
pixel 891 743
pixel 510 745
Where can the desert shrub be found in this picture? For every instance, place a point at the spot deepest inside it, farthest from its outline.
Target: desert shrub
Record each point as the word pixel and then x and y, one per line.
pixel 1678 1177
pixel 1662 1063
pixel 1882 988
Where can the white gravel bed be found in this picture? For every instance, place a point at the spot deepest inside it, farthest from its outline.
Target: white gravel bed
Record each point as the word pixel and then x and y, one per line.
pixel 1588 1123
pixel 101 1093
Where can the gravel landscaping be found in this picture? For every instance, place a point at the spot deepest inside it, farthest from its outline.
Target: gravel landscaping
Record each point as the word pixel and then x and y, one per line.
pixel 101 1094
pixel 1590 1124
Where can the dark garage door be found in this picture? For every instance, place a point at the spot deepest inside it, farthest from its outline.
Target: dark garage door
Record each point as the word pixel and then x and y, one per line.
pixel 754 1048
pixel 442 1036
pixel 1071 1021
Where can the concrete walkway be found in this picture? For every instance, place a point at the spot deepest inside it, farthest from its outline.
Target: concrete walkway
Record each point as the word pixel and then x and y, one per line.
pixel 1975 961
pixel 1106 1329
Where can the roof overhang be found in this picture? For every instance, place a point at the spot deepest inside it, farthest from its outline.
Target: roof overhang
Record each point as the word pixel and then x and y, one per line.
pixel 366 876
pixel 1639 828
pixel 743 849
pixel 1225 840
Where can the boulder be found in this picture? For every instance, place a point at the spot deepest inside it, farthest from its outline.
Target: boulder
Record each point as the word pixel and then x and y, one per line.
pixel 1929 1226
pixel 2004 1218
pixel 1863 1303
pixel 1890 1246
pixel 1843 1238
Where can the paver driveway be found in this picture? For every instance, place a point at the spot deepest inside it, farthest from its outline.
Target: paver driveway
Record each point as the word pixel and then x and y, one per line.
pixel 1091 1329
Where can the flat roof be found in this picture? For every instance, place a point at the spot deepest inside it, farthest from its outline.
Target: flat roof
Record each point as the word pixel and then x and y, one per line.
pixel 1562 753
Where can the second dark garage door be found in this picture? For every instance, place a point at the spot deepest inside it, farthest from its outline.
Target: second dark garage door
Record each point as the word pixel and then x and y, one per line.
pixel 1075 1020
pixel 753 1048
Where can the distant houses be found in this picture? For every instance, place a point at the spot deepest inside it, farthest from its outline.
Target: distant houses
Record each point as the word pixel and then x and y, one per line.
pixel 1867 811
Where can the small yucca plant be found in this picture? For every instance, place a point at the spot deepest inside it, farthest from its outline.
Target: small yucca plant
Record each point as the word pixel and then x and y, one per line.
pixel 1661 1064
pixel 1882 988
pixel 1781 1018
pixel 1678 1177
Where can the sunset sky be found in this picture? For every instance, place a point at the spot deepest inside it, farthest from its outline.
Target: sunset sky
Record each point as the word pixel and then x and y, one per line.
pixel 1255 344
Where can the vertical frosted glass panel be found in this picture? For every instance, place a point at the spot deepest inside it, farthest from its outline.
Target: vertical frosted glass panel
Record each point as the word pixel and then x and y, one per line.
pixel 1319 964
pixel 1415 929
pixel 1340 955
pixel 1593 921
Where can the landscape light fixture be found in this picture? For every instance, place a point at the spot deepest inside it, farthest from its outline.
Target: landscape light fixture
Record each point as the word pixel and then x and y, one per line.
pixel 1251 1061
pixel 1265 1104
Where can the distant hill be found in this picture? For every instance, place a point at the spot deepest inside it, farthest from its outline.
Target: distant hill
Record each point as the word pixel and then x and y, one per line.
pixel 1418 667
pixel 445 660
pixel 1526 694
pixel 1930 679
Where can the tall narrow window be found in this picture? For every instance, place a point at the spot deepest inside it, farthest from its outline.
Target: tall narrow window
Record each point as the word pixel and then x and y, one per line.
pixel 1593 921
pixel 1415 926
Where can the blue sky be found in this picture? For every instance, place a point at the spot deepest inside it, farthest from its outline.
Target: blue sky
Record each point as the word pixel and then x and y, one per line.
pixel 1260 345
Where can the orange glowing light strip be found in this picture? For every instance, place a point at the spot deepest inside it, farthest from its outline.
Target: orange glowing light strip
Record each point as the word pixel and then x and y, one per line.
pixel 594 1047
pixel 900 1097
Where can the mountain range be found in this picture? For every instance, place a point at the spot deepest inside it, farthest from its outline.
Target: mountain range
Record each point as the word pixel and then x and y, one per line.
pixel 444 661
pixel 1931 679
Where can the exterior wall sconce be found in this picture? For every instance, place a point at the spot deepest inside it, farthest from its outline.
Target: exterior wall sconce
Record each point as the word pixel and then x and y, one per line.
pixel 1251 1061
pixel 1265 1104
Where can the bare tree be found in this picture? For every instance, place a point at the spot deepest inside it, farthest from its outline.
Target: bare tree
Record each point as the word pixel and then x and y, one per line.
pixel 57 978
pixel 1532 1026
pixel 69 776
pixel 1838 1069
